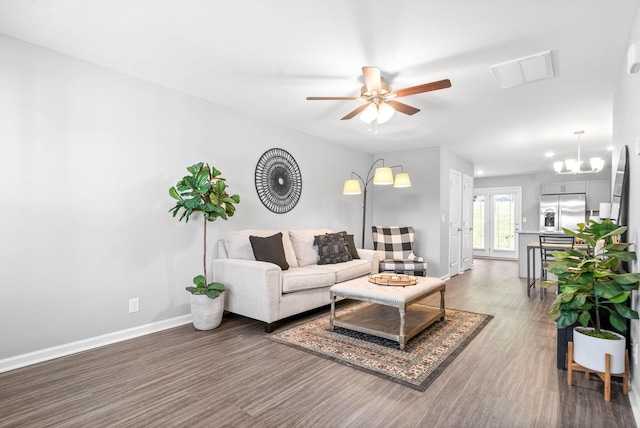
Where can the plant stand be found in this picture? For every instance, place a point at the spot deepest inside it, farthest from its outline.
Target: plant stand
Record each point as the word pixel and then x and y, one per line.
pixel 606 376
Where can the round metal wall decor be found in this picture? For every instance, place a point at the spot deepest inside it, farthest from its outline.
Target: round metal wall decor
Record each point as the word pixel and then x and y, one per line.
pixel 278 180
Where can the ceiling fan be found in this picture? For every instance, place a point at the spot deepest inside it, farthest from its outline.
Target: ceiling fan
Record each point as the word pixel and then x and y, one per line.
pixel 380 98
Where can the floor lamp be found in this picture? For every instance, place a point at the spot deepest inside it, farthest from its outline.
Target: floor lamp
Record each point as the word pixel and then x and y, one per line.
pixel 383 176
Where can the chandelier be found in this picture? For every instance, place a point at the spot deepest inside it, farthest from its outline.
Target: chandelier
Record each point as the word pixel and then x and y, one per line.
pixel 574 166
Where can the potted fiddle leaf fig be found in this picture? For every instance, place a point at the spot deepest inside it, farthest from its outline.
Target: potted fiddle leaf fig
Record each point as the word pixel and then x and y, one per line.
pixel 593 286
pixel 204 191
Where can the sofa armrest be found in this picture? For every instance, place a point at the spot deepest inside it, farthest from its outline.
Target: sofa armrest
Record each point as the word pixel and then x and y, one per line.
pixel 253 288
pixel 371 255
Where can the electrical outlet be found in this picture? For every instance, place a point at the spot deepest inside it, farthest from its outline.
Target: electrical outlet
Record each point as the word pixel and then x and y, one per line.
pixel 134 305
pixel 634 351
pixel 524 219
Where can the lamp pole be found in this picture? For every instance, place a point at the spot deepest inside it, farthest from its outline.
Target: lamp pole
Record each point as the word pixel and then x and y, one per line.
pixel 365 183
pixel 383 175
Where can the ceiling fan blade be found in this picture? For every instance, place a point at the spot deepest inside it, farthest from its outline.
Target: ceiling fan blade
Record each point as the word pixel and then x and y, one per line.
pixel 331 98
pixel 402 108
pixel 355 112
pixel 426 87
pixel 372 79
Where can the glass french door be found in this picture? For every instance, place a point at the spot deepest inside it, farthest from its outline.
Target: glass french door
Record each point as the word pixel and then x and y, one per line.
pixel 496 222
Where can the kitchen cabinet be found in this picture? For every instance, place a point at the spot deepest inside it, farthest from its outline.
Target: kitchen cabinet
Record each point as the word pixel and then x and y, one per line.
pixel 557 188
pixel 597 191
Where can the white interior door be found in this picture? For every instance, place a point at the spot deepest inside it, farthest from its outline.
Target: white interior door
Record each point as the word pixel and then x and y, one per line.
pixel 467 222
pixel 455 222
pixel 497 215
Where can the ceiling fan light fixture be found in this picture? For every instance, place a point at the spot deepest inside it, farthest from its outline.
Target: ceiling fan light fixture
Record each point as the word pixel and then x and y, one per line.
pixel 376 92
pixel 369 114
pixel 385 112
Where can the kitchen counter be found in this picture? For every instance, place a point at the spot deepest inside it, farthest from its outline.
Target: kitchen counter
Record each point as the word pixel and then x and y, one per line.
pixel 526 238
pixel 539 232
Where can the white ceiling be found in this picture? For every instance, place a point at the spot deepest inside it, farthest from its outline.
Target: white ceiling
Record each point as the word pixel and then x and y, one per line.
pixel 263 57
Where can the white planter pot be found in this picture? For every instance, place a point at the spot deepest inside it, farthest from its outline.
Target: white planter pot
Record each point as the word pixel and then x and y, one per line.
pixel 207 312
pixel 590 351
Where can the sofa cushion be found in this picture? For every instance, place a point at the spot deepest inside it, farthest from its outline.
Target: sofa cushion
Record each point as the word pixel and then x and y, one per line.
pixel 302 242
pixel 239 246
pixel 349 270
pixel 408 267
pixel 269 249
pixel 304 278
pixel 332 248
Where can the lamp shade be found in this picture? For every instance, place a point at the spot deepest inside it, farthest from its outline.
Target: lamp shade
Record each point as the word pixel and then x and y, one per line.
pixel 351 187
pixel 558 166
pixel 369 114
pixel 597 164
pixel 402 180
pixel 385 112
pixel 383 175
pixel 605 210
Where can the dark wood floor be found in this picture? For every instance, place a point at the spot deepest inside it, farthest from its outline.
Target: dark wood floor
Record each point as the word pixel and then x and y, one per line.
pixel 234 376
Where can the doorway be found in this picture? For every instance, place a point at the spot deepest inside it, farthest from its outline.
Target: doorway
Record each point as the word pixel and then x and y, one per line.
pixel 460 222
pixel 496 222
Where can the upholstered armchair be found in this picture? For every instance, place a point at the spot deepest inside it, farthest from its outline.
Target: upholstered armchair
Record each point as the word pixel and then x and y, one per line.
pixel 395 248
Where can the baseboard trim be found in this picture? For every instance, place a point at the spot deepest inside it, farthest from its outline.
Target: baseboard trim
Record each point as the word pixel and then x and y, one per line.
pixel 39 356
pixel 634 400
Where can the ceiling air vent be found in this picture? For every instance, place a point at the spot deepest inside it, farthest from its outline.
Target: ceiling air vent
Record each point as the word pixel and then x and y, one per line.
pixel 524 70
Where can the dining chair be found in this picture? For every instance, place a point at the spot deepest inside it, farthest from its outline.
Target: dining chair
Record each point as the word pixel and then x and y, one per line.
pixel 548 244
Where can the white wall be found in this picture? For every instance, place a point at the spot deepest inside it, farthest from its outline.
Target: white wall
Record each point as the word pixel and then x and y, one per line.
pixel 626 131
pixel 87 158
pixel 423 204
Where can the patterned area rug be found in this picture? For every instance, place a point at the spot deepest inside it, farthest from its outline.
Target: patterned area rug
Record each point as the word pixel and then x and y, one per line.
pixel 425 357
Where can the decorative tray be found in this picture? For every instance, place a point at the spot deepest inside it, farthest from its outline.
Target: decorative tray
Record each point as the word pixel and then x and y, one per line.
pixel 393 279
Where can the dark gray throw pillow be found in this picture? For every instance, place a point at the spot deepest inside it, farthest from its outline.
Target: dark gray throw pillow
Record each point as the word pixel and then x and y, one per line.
pixel 332 248
pixel 352 247
pixel 269 249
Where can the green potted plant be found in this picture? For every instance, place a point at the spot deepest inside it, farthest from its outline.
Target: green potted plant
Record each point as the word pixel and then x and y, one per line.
pixel 204 191
pixel 592 286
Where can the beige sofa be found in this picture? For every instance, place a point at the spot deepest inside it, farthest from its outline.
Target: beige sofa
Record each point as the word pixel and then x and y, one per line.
pixel 265 292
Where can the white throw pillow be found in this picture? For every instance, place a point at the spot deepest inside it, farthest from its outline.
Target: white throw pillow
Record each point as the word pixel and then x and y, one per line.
pixel 239 246
pixel 302 241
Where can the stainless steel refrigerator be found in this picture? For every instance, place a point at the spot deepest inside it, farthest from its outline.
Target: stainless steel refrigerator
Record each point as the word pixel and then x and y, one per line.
pixel 558 211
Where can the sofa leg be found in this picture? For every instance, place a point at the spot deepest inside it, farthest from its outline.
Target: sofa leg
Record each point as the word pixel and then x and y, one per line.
pixel 269 327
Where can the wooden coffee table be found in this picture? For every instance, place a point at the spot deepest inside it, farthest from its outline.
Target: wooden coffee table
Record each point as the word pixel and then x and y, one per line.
pixel 395 313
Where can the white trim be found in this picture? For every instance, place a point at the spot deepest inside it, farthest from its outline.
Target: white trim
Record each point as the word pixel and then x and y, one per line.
pixel 634 400
pixel 39 356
